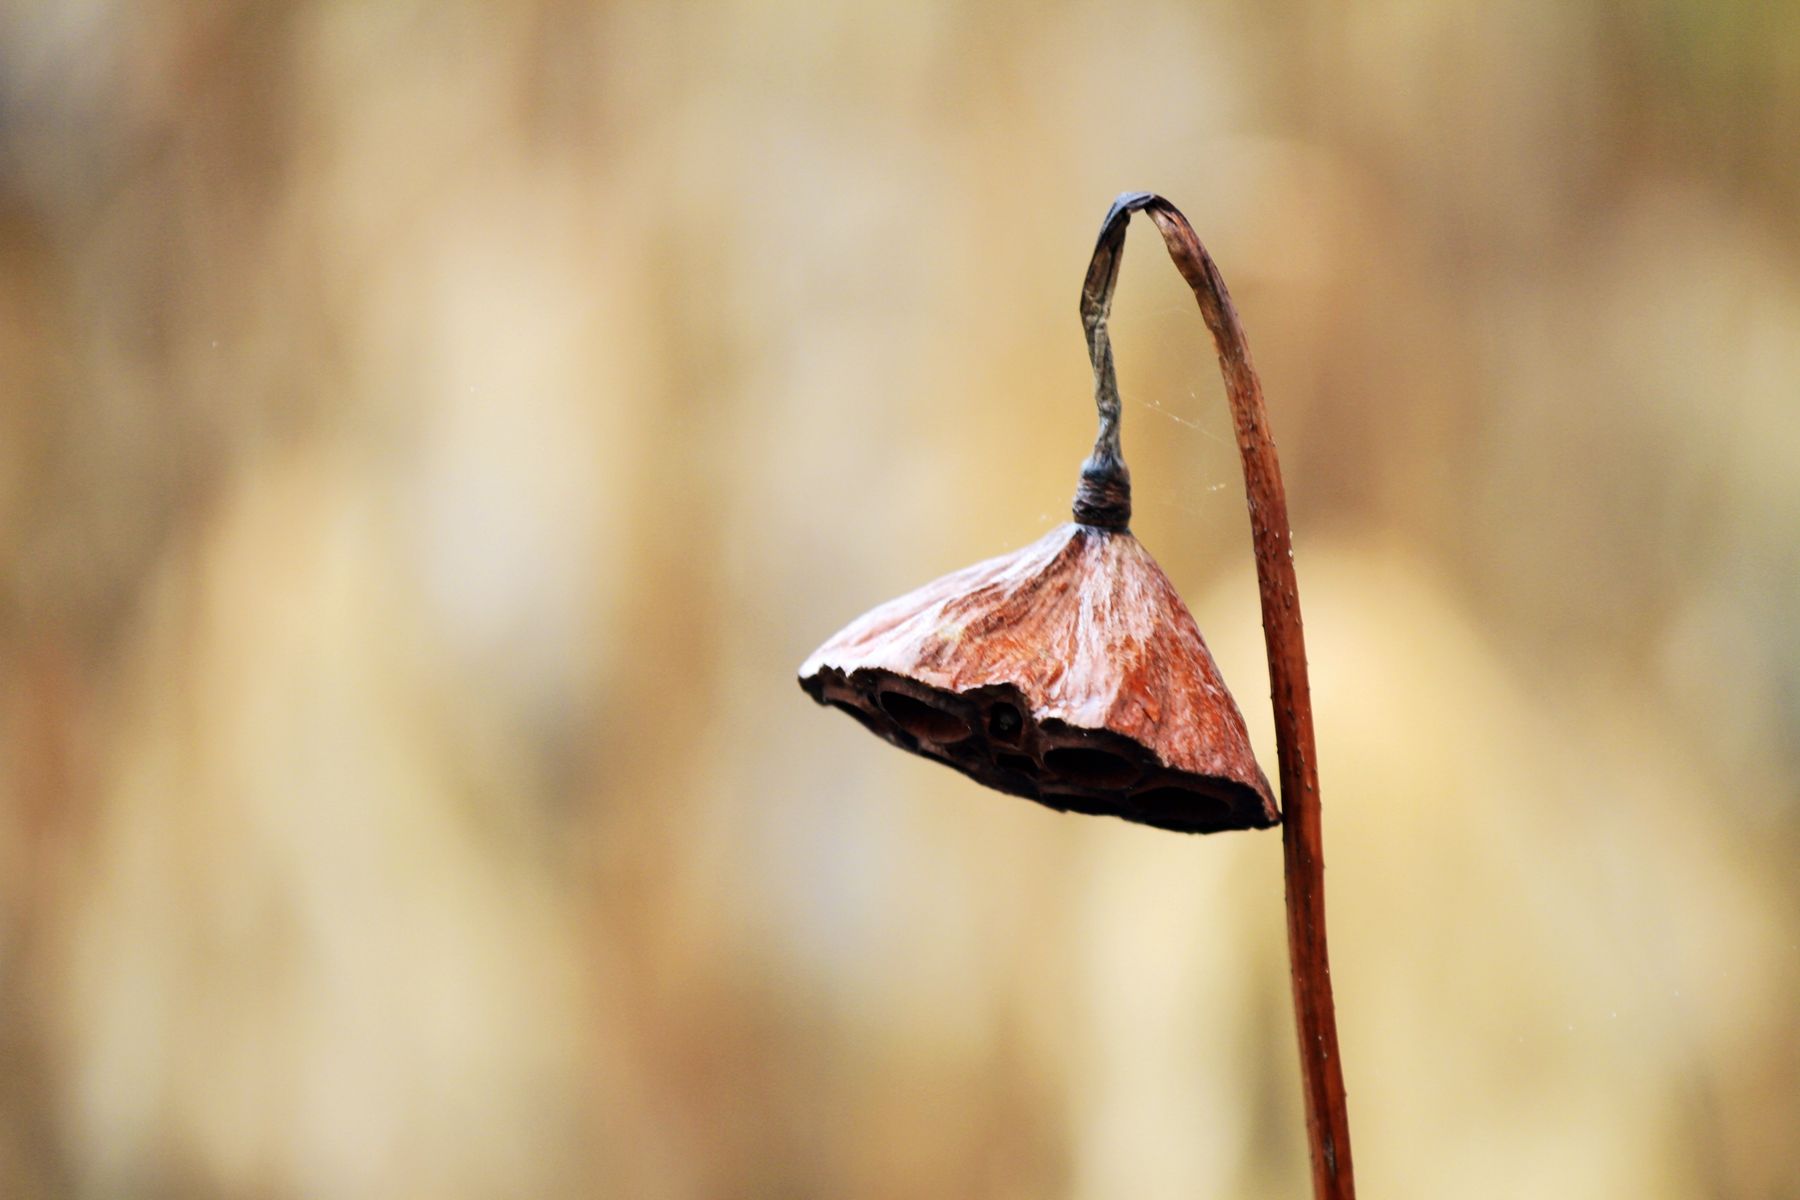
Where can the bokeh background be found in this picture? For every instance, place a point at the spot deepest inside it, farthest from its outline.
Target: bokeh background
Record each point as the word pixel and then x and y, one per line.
pixel 432 434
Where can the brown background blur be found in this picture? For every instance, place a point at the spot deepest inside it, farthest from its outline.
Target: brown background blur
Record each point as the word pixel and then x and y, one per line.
pixel 432 434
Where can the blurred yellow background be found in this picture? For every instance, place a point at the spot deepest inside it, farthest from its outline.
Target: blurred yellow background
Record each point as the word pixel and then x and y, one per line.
pixel 431 435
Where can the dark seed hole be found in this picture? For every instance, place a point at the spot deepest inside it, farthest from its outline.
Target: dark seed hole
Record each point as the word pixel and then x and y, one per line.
pixel 1015 762
pixel 1005 722
pixel 862 718
pixel 1075 803
pixel 1090 768
pixel 1186 806
pixel 922 720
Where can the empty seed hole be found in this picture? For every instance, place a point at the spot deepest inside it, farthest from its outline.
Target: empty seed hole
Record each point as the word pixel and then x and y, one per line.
pixel 1087 767
pixel 863 718
pixel 1186 806
pixel 1076 803
pixel 1005 723
pixel 1015 762
pixel 923 720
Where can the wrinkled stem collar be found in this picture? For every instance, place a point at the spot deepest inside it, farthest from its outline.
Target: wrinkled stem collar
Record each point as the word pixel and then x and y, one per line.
pixel 1103 497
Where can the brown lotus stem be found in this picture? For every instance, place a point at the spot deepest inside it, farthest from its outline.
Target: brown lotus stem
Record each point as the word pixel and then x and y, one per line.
pixel 1327 1121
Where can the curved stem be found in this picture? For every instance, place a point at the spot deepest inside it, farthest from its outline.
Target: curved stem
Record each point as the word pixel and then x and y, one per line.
pixel 1327 1121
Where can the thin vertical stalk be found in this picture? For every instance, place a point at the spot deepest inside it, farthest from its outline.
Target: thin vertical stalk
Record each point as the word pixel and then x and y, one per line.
pixel 1322 1075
